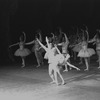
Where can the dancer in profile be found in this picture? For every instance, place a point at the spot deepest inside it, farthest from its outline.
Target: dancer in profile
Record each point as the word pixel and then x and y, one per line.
pixel 96 41
pixel 22 51
pixel 64 45
pixel 37 49
pixel 64 59
pixel 52 61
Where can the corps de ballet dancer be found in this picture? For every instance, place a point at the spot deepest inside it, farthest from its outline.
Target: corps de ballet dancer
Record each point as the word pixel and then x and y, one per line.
pixel 37 49
pixel 64 59
pixel 22 51
pixel 96 41
pixel 76 48
pixel 86 52
pixel 64 45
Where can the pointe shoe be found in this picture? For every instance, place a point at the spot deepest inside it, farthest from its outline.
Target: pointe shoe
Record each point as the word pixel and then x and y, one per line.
pixel 65 70
pixel 38 66
pixel 23 65
pixel 63 83
pixel 86 69
pixel 99 67
pixel 78 69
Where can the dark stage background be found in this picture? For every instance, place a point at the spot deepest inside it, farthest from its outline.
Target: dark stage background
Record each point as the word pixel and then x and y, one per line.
pixel 29 15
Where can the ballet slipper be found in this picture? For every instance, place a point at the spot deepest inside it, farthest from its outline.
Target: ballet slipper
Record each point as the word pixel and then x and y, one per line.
pixel 78 69
pixel 23 66
pixel 65 70
pixel 38 66
pixel 63 83
pixel 86 69
pixel 99 67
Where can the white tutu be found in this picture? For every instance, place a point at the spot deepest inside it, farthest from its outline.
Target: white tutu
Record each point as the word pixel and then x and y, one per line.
pixel 86 53
pixel 77 48
pixel 61 59
pixel 24 52
pixel 67 57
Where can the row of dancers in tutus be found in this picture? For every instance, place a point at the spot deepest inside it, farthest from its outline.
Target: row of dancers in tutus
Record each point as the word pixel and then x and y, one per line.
pixel 56 56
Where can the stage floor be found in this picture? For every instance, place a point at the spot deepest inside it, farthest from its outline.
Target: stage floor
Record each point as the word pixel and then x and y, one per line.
pixel 32 83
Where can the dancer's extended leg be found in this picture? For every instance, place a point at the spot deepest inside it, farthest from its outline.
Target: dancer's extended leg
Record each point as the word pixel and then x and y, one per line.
pixel 72 66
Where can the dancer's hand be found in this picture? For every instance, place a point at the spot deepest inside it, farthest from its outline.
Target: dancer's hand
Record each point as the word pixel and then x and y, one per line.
pixel 47 39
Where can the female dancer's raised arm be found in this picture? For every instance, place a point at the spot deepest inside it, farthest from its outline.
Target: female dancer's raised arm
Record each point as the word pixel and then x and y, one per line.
pixel 40 36
pixel 24 37
pixel 47 41
pixel 66 38
pixel 53 36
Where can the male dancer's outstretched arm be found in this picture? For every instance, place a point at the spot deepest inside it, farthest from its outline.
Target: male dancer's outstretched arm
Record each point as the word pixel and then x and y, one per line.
pixel 42 45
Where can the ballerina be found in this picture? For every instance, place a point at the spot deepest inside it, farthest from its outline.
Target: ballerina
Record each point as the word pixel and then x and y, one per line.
pixel 52 61
pixel 76 48
pixel 86 52
pixel 64 59
pixel 96 40
pixel 22 52
pixel 64 45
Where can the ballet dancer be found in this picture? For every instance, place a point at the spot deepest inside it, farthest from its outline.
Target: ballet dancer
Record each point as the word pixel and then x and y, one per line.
pixel 96 41
pixel 37 49
pixel 52 61
pixel 64 45
pixel 85 52
pixel 22 51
